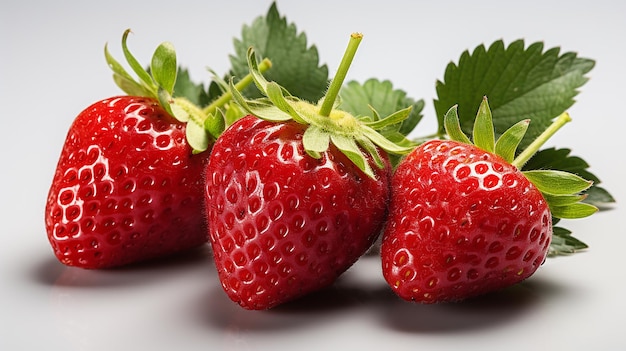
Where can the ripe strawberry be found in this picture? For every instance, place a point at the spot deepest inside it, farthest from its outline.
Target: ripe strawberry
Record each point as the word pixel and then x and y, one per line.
pixel 292 200
pixel 127 186
pixel 464 220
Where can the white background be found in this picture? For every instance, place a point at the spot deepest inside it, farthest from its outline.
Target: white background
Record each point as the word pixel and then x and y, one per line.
pixel 52 66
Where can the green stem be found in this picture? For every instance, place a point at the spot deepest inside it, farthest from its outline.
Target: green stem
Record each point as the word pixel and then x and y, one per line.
pixel 242 84
pixel 532 149
pixel 340 76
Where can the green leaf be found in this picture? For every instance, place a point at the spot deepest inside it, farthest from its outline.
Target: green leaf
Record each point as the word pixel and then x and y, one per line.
pixel 557 182
pixel 563 243
pixel 163 66
pixel 521 83
pixel 296 65
pixel 375 97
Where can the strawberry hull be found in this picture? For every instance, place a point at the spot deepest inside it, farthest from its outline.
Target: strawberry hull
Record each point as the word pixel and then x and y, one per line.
pixel 126 188
pixel 462 222
pixel 283 223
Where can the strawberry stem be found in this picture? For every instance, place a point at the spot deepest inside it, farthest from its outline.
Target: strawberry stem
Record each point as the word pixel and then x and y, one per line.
pixel 243 83
pixel 532 149
pixel 335 86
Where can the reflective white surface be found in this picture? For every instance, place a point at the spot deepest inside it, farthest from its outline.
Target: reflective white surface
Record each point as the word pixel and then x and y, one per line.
pixel 52 67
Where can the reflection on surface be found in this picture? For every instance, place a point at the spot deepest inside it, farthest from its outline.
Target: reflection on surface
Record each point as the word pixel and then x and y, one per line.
pixel 176 302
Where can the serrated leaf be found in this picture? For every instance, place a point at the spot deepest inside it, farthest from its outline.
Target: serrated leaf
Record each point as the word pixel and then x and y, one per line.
pixel 563 243
pixel 521 83
pixel 380 96
pixel 598 196
pixel 296 65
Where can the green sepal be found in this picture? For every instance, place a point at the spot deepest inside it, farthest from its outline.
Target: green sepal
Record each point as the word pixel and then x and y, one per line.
pixel 370 147
pixel 508 142
pixel 121 77
pixel 390 146
pixel 573 211
pixel 163 67
pixel 260 108
pixel 349 148
pixel 393 119
pixel 557 182
pixel 483 133
pixel 315 141
pixel 165 99
pixel 215 124
pixel 197 136
pixel 564 200
pixel 233 113
pixel 352 136
pixel 453 127
pixel 141 72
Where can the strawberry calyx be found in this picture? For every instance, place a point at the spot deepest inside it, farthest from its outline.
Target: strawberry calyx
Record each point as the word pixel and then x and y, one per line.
pixel 355 137
pixel 203 124
pixel 563 191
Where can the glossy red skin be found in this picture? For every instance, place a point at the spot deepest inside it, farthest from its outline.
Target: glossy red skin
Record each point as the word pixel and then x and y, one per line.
pixel 284 224
pixel 462 222
pixel 126 187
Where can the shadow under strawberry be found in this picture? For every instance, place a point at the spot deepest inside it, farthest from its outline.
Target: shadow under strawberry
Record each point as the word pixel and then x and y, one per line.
pixel 491 310
pixel 50 272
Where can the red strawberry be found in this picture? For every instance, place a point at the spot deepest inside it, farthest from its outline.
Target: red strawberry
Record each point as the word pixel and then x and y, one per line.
pixel 464 220
pixel 126 187
pixel 292 205
pixel 282 222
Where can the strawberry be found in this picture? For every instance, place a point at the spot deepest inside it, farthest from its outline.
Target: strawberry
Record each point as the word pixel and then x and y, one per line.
pixel 294 195
pixel 464 220
pixel 127 186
